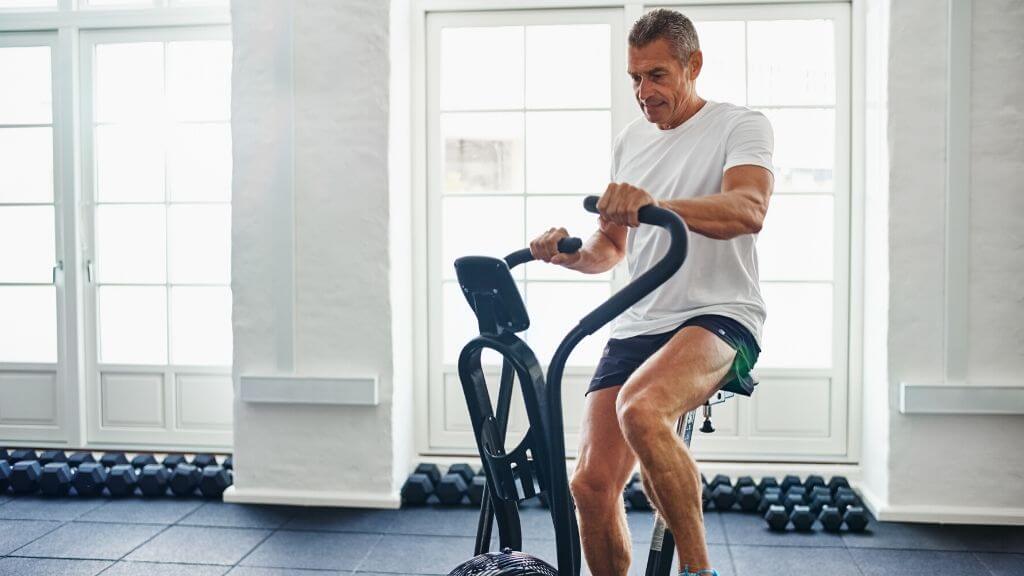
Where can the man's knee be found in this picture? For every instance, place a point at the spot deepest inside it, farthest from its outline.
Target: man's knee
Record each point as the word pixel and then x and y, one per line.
pixel 637 419
pixel 594 488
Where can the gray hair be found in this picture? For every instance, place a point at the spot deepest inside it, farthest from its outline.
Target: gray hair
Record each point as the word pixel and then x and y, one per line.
pixel 670 25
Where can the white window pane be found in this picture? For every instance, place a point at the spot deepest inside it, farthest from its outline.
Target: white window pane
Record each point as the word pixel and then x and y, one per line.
pixel 543 213
pixel 567 152
pixel 129 163
pixel 791 62
pixel 28 3
pixel 199 240
pixel 26 165
pixel 199 163
pixel 28 330
pixel 804 149
pixel 568 66
pixel 129 82
pixel 201 326
pixel 796 240
pixel 199 80
pixel 722 77
pixel 131 244
pixel 482 68
pixel 555 308
pixel 27 95
pixel 483 152
pixel 120 2
pixel 475 226
pixel 133 324
pixel 798 330
pixel 27 251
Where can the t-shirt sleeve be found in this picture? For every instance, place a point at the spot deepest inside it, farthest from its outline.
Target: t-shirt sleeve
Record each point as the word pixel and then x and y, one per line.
pixel 750 141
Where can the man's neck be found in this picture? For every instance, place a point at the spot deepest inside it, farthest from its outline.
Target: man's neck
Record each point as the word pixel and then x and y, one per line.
pixel 689 110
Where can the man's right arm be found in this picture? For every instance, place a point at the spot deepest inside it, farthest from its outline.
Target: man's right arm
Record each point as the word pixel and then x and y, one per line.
pixel 603 250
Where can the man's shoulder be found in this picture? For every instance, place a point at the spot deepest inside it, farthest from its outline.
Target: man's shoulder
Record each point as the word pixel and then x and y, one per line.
pixel 731 114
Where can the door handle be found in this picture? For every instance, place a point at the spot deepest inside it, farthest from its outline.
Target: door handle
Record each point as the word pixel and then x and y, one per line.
pixel 58 268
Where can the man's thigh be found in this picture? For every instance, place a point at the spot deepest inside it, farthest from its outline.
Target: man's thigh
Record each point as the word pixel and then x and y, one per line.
pixel 681 375
pixel 604 457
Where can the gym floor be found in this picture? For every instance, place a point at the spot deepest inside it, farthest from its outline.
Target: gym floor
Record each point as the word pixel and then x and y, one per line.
pixel 72 537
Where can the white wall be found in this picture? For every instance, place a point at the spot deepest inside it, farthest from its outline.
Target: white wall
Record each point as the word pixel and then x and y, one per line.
pixel 311 242
pixel 972 462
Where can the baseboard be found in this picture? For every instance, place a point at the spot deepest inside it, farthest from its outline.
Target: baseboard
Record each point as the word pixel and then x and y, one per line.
pixel 930 514
pixel 311 498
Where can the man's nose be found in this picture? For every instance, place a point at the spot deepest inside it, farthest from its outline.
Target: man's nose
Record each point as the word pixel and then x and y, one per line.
pixel 643 90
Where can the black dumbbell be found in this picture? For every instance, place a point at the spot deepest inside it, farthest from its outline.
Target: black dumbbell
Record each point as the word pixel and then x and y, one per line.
pixel 25 476
pixel 477 489
pixel 792 499
pixel 153 480
pixel 812 481
pixel 22 455
pixel 788 482
pixel 48 456
pixel 431 470
pixel 417 489
pixel 5 456
pixel 799 490
pixel 229 463
pixel 705 497
pixel 845 498
pixel 111 459
pixel 184 479
pixel 767 482
pixel 140 461
pixel 122 480
pixel 718 480
pixel 214 481
pixel 830 518
pixel 451 489
pixel 55 479
pixel 749 498
pixel 818 500
pixel 171 461
pixel 90 479
pixel 837 482
pixel 5 475
pixel 724 497
pixel 856 518
pixel 772 497
pixel 801 518
pixel 777 518
pixel 636 496
pixel 744 481
pixel 204 460
pixel 464 470
pixel 79 458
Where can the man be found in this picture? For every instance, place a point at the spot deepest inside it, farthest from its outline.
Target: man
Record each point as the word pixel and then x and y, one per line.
pixel 710 163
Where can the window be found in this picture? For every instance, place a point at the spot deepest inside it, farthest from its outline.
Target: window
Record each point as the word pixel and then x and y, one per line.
pixel 115 184
pixel 520 112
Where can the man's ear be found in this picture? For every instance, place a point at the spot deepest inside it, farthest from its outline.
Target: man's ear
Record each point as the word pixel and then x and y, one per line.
pixel 696 63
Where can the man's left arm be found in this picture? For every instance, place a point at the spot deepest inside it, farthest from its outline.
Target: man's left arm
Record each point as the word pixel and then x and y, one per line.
pixel 739 208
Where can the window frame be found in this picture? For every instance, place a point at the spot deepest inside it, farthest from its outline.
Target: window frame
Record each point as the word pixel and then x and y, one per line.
pixel 848 219
pixel 64 25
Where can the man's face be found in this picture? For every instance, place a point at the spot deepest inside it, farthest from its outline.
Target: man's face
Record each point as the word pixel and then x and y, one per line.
pixel 662 85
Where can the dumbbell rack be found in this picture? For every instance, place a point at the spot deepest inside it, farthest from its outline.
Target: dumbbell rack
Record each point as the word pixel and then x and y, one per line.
pixel 54 473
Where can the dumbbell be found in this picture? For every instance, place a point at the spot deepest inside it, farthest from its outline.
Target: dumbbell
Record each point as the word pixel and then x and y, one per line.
pixel 454 484
pixel 140 461
pixel 90 478
pixel 477 489
pixel 724 496
pixel 153 480
pixel 767 482
pixel 837 482
pixel 55 479
pixel 719 479
pixel 855 518
pixel 111 459
pixel 4 455
pixel 813 480
pixel 788 482
pixel 171 461
pixel 771 497
pixel 705 497
pixel 214 481
pixel 229 463
pixel 420 484
pixel 802 518
pixel 744 481
pixel 749 498
pixel 185 479
pixel 79 458
pixel 777 517
pixel 798 491
pixel 25 476
pixel 820 496
pixel 5 475
pixel 636 496
pixel 50 456
pixel 844 498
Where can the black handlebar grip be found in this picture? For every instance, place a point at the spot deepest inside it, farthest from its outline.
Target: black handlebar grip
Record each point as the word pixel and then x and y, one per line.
pixel 569 245
pixel 590 203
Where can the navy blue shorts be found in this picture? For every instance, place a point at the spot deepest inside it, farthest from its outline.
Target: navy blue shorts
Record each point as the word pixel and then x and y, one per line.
pixel 623 356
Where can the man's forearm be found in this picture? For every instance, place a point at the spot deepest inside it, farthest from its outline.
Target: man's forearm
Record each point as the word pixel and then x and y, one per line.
pixel 598 254
pixel 720 216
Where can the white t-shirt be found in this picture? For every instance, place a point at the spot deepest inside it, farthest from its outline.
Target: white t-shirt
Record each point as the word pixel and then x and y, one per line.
pixel 688 161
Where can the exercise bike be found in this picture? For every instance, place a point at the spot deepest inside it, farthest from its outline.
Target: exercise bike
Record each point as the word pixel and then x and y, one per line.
pixel 536 466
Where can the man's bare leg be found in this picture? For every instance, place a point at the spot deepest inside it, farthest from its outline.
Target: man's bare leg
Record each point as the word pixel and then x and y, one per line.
pixel 678 378
pixel 602 469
